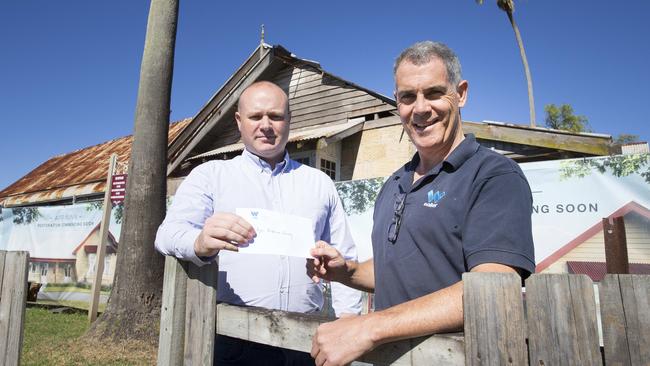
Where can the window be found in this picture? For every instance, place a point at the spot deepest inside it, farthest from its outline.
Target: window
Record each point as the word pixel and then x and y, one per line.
pixel 33 268
pixel 304 157
pixel 107 265
pixel 91 264
pixel 67 270
pixel 43 269
pixel 328 167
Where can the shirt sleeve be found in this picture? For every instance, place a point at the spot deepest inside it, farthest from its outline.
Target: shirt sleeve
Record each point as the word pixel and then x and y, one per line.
pixel 190 207
pixel 344 298
pixel 498 227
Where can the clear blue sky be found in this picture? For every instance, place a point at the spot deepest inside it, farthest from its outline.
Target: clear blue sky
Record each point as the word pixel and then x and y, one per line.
pixel 69 69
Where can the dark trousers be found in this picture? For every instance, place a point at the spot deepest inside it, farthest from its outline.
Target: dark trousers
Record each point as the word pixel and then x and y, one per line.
pixel 237 352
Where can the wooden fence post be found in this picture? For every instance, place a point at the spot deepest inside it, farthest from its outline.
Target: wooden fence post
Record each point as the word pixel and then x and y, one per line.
pixel 200 314
pixel 495 327
pixel 172 313
pixel 562 326
pixel 615 246
pixel 13 293
pixel 624 304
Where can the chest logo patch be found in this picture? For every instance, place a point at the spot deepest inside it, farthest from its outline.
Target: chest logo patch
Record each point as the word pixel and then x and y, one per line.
pixel 434 198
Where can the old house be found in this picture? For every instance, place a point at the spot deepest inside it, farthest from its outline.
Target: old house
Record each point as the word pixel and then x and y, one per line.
pixel 585 254
pixel 86 254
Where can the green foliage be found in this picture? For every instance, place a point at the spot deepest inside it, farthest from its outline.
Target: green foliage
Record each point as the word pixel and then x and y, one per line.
pixel 562 118
pixel 118 210
pixel 358 195
pixel 625 138
pixel 618 166
pixel 25 215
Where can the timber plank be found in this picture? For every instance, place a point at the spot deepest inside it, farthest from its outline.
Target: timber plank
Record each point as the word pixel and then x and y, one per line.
pixel 12 306
pixel 295 331
pixel 562 320
pixel 172 313
pixel 351 109
pixel 624 304
pixel 3 254
pixel 200 315
pixel 324 94
pixel 333 106
pixel 495 329
pixel 342 94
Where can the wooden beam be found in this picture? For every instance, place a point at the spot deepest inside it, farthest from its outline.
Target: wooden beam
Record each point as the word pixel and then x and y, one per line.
pixel 615 245
pixel 103 242
pixel 581 143
pixel 172 313
pixel 295 330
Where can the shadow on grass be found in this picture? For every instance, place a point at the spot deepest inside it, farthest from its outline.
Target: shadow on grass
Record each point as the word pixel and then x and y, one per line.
pixel 57 339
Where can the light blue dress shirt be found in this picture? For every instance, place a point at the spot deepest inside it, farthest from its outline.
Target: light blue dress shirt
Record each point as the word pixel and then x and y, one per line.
pixel 269 281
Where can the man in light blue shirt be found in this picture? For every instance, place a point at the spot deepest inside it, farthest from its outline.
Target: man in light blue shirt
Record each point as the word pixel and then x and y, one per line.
pixel 201 223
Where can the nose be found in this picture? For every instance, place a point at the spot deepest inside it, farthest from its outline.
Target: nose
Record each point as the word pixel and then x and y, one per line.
pixel 420 106
pixel 265 123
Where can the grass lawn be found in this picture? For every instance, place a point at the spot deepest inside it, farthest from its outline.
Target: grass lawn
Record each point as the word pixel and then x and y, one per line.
pixel 57 339
pixel 73 304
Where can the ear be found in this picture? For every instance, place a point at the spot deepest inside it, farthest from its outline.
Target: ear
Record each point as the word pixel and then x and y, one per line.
pixel 238 119
pixel 462 88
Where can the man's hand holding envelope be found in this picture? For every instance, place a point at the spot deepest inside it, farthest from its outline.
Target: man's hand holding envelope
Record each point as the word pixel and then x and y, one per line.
pixel 256 231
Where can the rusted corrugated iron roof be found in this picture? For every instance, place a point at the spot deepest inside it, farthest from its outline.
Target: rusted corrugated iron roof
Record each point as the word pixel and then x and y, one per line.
pixel 79 173
pixel 597 270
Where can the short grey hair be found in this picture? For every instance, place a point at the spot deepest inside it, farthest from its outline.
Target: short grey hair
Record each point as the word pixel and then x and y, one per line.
pixel 422 52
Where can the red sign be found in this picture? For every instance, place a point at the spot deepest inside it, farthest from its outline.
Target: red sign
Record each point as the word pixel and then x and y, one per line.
pixel 118 188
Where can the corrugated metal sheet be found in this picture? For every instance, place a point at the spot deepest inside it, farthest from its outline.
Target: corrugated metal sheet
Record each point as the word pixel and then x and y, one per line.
pixel 302 134
pixel 597 270
pixel 635 148
pixel 79 173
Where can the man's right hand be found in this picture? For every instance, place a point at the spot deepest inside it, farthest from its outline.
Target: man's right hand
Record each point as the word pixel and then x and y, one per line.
pixel 223 230
pixel 327 264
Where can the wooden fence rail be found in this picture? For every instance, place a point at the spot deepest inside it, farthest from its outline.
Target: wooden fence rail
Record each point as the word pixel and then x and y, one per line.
pixel 553 323
pixel 13 293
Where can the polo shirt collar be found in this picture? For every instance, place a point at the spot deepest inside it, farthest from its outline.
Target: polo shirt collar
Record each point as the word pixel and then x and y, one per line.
pixel 259 163
pixel 465 150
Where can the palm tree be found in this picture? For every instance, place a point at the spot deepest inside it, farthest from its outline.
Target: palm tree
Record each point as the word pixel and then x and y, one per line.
pixel 508 6
pixel 134 305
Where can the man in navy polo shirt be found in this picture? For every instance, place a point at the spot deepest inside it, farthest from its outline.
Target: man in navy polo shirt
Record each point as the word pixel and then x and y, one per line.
pixel 455 207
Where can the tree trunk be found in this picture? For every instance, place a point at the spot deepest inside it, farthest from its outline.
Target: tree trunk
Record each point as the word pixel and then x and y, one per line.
pixel 529 79
pixel 133 311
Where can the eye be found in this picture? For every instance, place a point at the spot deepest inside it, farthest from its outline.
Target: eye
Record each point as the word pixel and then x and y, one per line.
pixel 407 98
pixel 255 116
pixel 276 117
pixel 433 95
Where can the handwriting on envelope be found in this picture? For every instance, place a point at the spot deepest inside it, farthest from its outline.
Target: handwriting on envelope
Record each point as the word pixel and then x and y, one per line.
pixel 278 233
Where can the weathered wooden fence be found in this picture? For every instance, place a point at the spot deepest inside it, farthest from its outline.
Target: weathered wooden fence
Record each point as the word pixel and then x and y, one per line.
pixel 554 323
pixel 13 293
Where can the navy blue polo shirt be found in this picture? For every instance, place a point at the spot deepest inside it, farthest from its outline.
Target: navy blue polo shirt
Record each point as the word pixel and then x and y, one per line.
pixel 475 207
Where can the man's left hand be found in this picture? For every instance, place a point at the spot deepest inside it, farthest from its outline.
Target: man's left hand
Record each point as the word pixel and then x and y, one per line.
pixel 342 341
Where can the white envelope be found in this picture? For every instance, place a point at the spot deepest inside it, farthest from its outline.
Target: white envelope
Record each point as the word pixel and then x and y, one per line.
pixel 278 233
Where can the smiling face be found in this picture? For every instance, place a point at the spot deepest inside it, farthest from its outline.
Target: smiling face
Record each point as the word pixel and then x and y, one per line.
pixel 263 121
pixel 429 108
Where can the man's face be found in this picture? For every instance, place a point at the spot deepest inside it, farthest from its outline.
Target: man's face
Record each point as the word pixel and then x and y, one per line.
pixel 429 106
pixel 263 121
